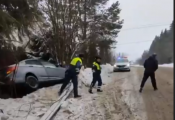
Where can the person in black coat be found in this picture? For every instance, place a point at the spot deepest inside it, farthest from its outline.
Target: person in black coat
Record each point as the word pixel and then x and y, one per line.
pixel 150 65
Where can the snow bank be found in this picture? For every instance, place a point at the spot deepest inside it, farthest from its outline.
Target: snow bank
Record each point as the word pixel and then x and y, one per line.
pixel 86 75
pixel 88 107
pixel 136 65
pixel 34 105
pixel 98 106
pixel 85 108
pixel 30 107
pixel 162 65
pixel 167 65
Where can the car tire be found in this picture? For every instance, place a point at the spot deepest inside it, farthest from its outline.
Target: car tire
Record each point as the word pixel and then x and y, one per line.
pixel 32 82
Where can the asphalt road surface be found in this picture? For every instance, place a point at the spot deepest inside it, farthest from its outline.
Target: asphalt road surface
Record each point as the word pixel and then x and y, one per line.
pixel 150 104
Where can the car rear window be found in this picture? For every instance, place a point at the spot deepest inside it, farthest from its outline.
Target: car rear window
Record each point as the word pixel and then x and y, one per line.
pixel 32 62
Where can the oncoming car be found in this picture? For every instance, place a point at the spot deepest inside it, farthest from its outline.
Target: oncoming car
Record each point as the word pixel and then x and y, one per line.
pixel 122 64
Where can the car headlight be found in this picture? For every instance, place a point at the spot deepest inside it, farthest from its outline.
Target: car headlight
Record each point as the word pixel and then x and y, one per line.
pixel 128 65
pixel 114 65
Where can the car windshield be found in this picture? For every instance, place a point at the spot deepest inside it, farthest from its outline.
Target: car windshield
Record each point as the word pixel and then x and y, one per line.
pixel 122 60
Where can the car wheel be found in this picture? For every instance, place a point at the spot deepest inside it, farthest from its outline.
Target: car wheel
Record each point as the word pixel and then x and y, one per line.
pixel 32 82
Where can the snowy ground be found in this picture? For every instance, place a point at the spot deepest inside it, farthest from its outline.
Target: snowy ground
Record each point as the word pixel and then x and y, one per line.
pixel 162 65
pixel 119 101
pixel 86 75
pixel 30 107
pixel 89 106
pixel 167 65
pixel 34 105
pixel 98 106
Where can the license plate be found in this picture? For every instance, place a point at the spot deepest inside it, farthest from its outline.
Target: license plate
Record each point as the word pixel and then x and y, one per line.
pixel 121 66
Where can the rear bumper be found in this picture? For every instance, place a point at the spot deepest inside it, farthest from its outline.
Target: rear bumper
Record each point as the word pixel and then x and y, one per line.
pixel 6 80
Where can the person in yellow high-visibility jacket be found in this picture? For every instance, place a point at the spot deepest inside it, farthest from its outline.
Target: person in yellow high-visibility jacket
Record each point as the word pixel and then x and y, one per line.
pixel 96 71
pixel 72 74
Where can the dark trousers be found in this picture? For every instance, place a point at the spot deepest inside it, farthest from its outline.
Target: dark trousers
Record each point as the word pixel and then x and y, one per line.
pixel 74 79
pixel 146 76
pixel 95 79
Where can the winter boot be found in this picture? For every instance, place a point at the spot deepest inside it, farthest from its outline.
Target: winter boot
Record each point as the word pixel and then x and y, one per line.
pixel 140 90
pixel 99 90
pixel 90 89
pixel 59 93
pixel 77 96
pixel 155 89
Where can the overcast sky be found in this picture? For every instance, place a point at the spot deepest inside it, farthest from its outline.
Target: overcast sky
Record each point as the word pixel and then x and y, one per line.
pixel 139 13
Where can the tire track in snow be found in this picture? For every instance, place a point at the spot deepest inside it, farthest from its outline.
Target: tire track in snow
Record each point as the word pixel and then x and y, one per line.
pixel 132 96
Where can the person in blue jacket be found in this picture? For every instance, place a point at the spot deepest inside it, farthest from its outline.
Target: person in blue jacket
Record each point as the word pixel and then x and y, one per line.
pixel 96 71
pixel 72 74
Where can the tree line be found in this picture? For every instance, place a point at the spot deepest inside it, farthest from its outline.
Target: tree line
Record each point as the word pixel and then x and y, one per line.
pixel 66 27
pixel 162 45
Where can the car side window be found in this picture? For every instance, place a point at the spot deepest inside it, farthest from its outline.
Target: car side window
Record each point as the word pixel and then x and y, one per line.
pixel 33 62
pixel 47 64
pixel 22 63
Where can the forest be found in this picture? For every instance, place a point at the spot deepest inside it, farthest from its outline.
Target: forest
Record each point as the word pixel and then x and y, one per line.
pixel 65 27
pixel 162 45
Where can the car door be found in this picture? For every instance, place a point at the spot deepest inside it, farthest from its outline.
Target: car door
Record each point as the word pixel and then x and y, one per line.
pixel 35 67
pixel 55 73
pixel 60 71
pixel 50 69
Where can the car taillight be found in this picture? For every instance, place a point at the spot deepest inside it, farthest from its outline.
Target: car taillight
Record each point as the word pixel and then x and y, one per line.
pixel 10 70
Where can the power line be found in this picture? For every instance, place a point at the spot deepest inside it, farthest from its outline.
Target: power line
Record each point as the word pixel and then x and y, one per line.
pixel 135 42
pixel 153 24
pixel 146 26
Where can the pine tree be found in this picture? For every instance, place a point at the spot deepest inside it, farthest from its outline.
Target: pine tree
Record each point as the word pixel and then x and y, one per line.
pixel 163 46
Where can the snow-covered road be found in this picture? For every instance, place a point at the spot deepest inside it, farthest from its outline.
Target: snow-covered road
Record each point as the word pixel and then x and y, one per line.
pixel 98 106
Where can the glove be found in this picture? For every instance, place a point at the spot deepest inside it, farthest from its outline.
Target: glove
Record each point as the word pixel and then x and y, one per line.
pixel 77 70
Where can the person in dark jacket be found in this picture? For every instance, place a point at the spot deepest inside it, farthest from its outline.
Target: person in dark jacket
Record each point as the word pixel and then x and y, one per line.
pixel 96 71
pixel 150 65
pixel 63 64
pixel 46 56
pixel 72 74
pixel 53 62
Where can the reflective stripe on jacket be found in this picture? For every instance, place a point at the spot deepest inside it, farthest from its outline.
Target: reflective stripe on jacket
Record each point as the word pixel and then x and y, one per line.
pixel 75 60
pixel 97 65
